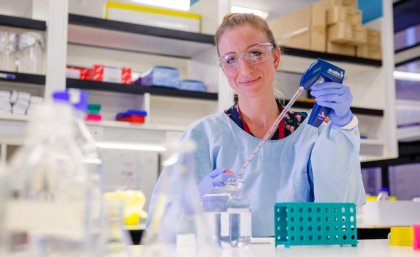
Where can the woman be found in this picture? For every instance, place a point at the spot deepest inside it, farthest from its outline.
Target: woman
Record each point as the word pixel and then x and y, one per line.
pixel 300 162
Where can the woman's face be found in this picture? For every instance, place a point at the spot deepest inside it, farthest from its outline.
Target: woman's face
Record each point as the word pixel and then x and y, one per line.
pixel 248 79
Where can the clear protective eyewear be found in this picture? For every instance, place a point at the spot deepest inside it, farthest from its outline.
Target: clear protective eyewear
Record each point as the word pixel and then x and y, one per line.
pixel 253 55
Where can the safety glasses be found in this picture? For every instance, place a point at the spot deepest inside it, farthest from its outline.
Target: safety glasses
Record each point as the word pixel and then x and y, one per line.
pixel 253 55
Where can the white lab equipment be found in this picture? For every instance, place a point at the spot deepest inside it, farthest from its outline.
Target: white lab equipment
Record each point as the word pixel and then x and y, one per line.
pixel 176 224
pixel 8 47
pixel 48 213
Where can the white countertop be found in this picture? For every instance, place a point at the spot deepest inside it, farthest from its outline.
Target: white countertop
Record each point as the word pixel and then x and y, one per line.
pixel 365 248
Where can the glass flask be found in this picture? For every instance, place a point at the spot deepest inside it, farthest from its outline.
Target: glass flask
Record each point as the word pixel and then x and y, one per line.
pixel 31 53
pixel 176 224
pixel 8 47
pixel 48 212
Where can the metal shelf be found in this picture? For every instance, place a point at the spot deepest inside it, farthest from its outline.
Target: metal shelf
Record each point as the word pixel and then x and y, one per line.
pixel 330 56
pixel 25 23
pixel 22 78
pixel 135 89
pixel 355 110
pixel 90 31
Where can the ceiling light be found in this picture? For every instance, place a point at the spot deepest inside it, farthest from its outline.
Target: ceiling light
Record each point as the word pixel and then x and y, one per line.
pixel 130 146
pixel 183 5
pixel 407 75
pixel 238 9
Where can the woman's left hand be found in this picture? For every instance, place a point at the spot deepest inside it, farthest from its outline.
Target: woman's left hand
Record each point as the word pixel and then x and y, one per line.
pixel 337 97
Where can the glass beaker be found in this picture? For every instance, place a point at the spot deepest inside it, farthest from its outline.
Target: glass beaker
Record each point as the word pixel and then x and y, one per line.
pixel 8 46
pixel 176 224
pixel 31 53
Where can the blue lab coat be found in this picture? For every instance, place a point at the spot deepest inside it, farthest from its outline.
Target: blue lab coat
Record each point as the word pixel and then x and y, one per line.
pixel 312 164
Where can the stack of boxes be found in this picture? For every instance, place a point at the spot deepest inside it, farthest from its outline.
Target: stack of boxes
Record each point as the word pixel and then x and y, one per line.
pixel 372 49
pixel 344 27
pixel 333 26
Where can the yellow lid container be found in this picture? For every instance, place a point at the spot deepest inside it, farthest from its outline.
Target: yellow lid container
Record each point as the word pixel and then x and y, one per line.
pixel 401 236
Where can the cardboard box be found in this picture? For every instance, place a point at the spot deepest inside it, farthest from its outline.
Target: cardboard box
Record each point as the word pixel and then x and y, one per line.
pixel 152 16
pixel 347 33
pixel 373 37
pixel 369 51
pixel 304 28
pixel 348 3
pixel 336 48
pixel 338 14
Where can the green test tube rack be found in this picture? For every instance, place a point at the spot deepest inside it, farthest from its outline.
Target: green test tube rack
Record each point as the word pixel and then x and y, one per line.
pixel 302 223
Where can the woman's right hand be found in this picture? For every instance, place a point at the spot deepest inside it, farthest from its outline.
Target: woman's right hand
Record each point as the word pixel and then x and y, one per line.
pixel 216 178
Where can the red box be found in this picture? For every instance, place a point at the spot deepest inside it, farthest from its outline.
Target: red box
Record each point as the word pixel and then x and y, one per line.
pixel 110 74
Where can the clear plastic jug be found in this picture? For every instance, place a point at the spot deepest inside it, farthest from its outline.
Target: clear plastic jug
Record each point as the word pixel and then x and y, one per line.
pixel 8 47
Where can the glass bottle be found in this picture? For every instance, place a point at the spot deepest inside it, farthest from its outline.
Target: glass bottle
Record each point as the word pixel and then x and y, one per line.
pixel 48 212
pixel 31 53
pixel 383 194
pixel 8 47
pixel 93 164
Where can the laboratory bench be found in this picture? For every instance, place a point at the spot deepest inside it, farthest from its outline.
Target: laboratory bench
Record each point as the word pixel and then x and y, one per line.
pixel 365 248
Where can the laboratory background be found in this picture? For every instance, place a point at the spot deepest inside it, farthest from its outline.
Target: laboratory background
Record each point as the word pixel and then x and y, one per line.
pixel 140 71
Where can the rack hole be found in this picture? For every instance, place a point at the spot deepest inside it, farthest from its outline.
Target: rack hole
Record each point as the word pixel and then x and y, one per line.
pixel 343 210
pixel 301 228
pixel 310 237
pixel 344 237
pixel 309 218
pixel 300 209
pixel 319 228
pixel 310 228
pixel 351 218
pixel 301 238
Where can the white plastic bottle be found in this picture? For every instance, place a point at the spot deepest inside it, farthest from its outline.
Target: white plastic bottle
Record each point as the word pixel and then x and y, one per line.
pixel 48 212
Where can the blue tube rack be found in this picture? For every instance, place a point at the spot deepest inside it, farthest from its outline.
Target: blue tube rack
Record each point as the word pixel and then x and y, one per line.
pixel 302 223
